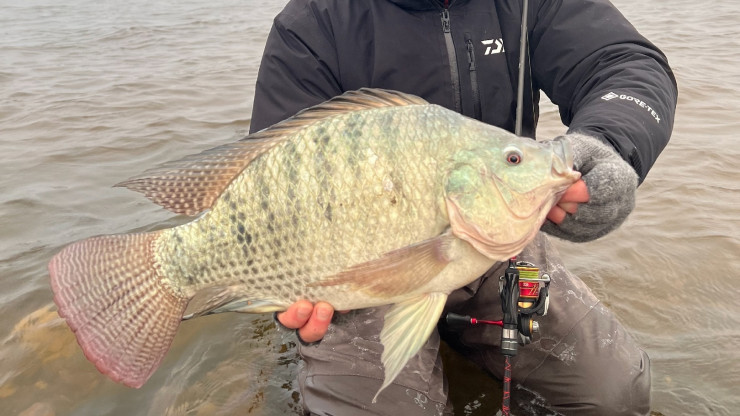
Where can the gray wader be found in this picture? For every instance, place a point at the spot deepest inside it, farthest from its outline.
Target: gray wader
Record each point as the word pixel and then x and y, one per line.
pixel 582 363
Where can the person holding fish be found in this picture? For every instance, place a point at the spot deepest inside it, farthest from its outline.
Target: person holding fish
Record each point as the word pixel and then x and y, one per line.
pixel 381 176
pixel 616 93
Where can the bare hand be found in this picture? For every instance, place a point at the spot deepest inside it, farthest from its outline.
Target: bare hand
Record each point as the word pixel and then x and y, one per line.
pixel 568 203
pixel 310 320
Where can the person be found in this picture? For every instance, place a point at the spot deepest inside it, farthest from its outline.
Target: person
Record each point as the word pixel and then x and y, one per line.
pixel 616 93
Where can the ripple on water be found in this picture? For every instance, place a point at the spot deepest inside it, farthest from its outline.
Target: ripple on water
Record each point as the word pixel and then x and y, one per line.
pixel 95 92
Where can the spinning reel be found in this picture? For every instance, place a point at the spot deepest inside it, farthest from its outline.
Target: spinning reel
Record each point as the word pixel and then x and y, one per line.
pixel 524 294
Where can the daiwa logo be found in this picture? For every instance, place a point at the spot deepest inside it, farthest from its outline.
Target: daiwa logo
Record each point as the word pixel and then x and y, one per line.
pixel 493 46
pixel 612 95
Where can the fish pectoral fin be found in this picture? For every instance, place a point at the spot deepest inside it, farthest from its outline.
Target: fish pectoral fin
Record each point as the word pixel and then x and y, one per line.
pixel 398 271
pixel 407 327
pixel 227 299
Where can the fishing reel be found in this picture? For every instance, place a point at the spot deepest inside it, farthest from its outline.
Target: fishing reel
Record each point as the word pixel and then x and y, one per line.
pixel 524 294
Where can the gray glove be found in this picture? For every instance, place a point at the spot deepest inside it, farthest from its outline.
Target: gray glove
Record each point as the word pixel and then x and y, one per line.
pixel 612 184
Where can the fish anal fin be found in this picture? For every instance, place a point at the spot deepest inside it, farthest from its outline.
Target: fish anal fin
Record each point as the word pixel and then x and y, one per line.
pixel 398 271
pixel 407 327
pixel 228 299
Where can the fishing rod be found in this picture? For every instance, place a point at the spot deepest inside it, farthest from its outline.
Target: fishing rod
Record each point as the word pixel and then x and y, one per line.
pixel 522 65
pixel 510 285
pixel 524 293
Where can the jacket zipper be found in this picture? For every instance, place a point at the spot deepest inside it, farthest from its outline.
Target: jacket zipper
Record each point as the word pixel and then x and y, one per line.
pixel 453 59
pixel 473 79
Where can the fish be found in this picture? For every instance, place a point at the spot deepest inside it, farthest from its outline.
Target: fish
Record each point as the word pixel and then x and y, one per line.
pixel 374 197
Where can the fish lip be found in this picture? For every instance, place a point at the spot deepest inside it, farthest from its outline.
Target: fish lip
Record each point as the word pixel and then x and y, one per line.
pixel 562 160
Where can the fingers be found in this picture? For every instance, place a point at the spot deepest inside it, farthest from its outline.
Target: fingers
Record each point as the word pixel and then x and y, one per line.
pixel 318 323
pixel 569 207
pixel 568 204
pixel 312 321
pixel 297 314
pixel 556 214
pixel 578 192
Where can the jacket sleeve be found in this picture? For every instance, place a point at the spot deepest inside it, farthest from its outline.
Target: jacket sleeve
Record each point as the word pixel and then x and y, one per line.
pixel 607 80
pixel 298 67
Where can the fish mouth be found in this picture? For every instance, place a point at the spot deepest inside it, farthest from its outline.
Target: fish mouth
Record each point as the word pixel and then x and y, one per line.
pixel 562 176
pixel 562 161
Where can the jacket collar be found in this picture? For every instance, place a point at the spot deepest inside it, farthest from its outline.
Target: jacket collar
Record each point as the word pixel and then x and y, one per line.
pixel 424 4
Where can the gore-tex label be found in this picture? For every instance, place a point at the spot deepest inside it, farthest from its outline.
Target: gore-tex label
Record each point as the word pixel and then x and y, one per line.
pixel 637 101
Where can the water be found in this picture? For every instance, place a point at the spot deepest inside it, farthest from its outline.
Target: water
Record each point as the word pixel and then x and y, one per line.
pixel 93 92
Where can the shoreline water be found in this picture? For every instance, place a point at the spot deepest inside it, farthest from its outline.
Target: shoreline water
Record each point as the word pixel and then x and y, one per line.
pixel 96 92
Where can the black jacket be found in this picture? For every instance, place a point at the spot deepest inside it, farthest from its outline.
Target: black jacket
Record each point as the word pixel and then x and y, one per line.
pixel 607 80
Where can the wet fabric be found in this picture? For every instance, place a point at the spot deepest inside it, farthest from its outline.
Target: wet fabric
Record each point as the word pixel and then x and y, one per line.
pixel 583 362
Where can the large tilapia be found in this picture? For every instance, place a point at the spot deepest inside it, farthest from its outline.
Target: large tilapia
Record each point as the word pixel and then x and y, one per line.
pixel 374 197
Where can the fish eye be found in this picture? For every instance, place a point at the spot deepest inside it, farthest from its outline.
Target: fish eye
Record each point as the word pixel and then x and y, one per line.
pixel 513 157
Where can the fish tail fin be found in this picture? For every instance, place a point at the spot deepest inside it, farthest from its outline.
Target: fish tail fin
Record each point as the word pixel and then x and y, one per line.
pixel 122 312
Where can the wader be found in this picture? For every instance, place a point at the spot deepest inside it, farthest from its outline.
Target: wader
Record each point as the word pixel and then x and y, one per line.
pixel 582 363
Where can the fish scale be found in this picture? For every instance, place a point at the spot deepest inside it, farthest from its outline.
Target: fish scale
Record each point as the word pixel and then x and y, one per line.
pixel 328 174
pixel 372 198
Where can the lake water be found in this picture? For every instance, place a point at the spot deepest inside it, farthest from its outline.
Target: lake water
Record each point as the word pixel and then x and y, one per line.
pixel 93 92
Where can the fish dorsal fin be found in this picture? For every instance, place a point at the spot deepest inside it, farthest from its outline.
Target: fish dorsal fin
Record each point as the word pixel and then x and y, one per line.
pixel 366 98
pixel 192 184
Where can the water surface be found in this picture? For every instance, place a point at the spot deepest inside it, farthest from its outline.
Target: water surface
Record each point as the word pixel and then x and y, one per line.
pixel 93 92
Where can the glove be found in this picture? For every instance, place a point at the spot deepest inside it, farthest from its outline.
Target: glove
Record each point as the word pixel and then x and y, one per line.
pixel 612 185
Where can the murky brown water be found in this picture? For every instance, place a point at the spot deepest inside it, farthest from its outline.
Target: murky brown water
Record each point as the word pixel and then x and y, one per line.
pixel 93 92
